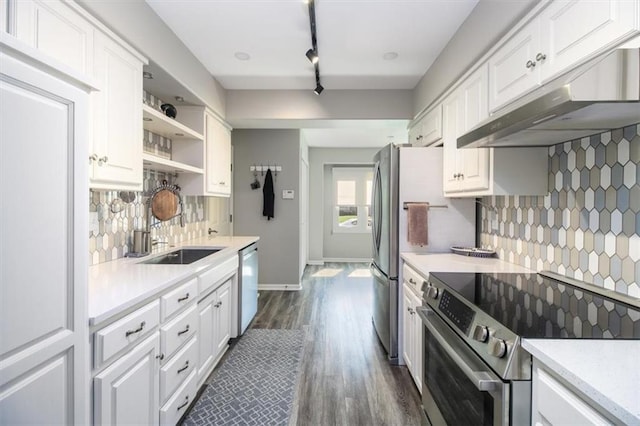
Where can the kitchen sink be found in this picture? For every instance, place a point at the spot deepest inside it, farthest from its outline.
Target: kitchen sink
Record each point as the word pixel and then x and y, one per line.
pixel 182 256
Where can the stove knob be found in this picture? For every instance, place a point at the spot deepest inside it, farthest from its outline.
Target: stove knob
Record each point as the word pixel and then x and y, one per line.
pixel 481 333
pixel 433 292
pixel 497 347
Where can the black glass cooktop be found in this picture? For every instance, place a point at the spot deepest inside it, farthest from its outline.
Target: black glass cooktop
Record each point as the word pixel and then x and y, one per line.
pixel 534 306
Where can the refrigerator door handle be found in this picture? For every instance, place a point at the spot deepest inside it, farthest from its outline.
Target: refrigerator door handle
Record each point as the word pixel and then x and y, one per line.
pixel 376 227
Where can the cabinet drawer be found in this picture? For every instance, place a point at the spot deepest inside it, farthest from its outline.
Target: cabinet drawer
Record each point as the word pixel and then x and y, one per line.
pixel 207 280
pixel 412 279
pixel 178 404
pixel 175 333
pixel 112 339
pixel 178 368
pixel 175 300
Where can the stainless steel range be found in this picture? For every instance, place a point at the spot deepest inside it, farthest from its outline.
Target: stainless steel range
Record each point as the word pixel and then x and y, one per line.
pixel 475 371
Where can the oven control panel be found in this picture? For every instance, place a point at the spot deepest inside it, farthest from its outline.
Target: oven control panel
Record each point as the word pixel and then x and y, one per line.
pixel 456 311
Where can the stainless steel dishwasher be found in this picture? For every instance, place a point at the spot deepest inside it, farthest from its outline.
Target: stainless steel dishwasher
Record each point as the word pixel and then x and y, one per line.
pixel 247 286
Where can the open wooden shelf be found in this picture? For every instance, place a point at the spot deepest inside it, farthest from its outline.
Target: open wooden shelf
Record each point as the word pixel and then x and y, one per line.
pixel 168 166
pixel 160 124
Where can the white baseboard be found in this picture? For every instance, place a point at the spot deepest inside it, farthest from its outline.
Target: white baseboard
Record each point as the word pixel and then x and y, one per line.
pixel 315 262
pixel 280 287
pixel 347 260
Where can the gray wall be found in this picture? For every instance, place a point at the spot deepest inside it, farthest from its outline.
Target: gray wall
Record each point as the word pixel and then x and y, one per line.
pixel 279 246
pixel 323 244
pixel 136 22
pixel 488 21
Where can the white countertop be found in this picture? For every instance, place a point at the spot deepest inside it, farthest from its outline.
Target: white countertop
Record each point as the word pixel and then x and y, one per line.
pixel 120 284
pixel 607 371
pixel 449 262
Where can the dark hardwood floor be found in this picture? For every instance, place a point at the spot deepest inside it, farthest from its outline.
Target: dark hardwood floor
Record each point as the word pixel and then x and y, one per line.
pixel 345 377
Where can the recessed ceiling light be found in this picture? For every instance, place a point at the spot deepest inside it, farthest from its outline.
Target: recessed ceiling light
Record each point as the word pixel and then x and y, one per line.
pixel 147 75
pixel 242 56
pixel 390 56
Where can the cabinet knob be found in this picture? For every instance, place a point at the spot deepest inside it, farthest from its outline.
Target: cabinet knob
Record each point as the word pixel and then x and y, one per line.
pixel 412 281
pixel 222 183
pixel 103 160
pixel 160 357
pixel 531 64
pixel 541 57
pixel 419 138
pixel 92 158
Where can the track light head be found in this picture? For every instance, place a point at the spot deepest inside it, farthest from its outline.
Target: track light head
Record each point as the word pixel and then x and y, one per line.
pixel 318 89
pixel 312 56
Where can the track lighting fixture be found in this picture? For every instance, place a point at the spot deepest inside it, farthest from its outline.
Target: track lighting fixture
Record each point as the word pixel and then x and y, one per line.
pixel 312 56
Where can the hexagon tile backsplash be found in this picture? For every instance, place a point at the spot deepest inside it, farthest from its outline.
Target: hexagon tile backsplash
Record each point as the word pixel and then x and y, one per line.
pixel 588 226
pixel 111 237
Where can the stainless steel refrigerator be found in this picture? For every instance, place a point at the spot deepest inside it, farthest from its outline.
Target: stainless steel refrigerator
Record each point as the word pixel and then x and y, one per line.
pixel 409 174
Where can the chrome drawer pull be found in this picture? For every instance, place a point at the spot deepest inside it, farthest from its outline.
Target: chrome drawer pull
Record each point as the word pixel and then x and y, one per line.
pixel 186 296
pixel 184 404
pixel 186 365
pixel 186 330
pixel 137 330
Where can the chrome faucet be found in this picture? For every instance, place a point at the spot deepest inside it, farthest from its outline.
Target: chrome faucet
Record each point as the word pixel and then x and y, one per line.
pixel 156 241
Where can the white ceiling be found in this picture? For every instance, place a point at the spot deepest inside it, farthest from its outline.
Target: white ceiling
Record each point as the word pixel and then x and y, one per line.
pixel 352 35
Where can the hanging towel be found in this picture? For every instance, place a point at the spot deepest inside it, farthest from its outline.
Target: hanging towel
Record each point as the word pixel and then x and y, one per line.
pixel 417 224
pixel 269 196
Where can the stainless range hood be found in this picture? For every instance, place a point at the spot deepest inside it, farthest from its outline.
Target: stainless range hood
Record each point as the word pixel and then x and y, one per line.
pixel 596 97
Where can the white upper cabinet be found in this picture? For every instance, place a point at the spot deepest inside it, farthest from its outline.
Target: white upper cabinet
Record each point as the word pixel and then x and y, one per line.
pixel 68 34
pixel 216 177
pixel 54 28
pixel 563 35
pixel 116 153
pixel 428 130
pixel 601 24
pixel 218 154
pixel 475 172
pixel 465 169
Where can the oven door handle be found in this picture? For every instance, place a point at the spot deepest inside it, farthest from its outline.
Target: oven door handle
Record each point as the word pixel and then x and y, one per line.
pixel 483 380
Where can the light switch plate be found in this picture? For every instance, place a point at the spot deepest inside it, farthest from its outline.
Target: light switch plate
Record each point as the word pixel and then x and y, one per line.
pixel 288 194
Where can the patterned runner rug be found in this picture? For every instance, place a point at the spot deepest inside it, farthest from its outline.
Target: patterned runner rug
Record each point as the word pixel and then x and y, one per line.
pixel 255 385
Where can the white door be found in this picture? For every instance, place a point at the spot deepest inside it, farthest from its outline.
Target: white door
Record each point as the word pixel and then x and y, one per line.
pixel 126 392
pixel 223 316
pixel 43 310
pixel 303 195
pixel 117 117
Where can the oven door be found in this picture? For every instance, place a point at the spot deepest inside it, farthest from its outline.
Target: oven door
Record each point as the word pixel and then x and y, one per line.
pixel 458 388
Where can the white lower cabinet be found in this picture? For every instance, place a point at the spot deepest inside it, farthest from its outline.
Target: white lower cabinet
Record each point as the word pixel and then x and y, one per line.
pixel 126 392
pixel 173 373
pixel 555 403
pixel 412 343
pixel 214 328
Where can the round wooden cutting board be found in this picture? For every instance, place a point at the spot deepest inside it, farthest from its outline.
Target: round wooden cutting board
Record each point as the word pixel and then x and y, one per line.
pixel 164 205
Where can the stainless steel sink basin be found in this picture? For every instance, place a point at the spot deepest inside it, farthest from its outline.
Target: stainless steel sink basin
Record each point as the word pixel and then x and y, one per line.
pixel 182 256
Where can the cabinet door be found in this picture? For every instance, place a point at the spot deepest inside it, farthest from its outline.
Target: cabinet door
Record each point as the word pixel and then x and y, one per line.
pixel 416 329
pixel 474 163
pixel 452 120
pixel 513 68
pixel 432 126
pixel 117 117
pixel 555 404
pixel 407 329
pixel 43 309
pixel 55 29
pixel 206 336
pixel 126 392
pixel 223 316
pixel 218 154
pixel 571 31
